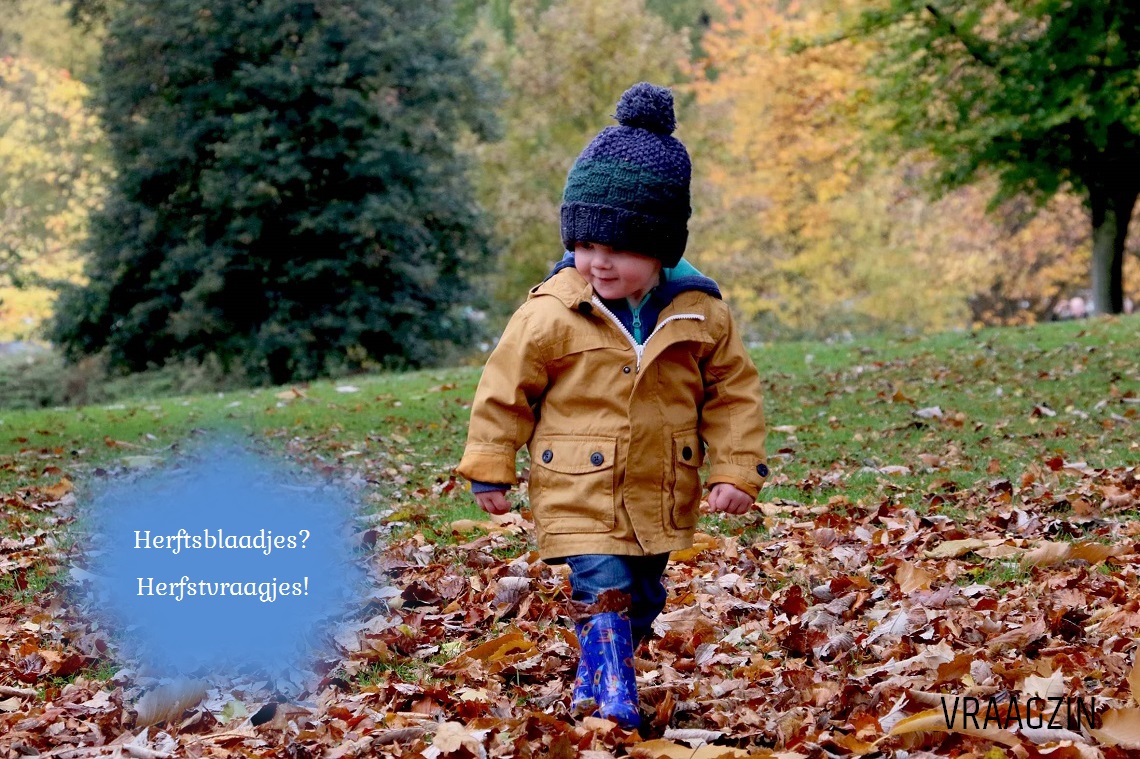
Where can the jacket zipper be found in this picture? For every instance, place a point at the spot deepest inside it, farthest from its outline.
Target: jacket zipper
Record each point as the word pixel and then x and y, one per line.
pixel 636 317
pixel 638 349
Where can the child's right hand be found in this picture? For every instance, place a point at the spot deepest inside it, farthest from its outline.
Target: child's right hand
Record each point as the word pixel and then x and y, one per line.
pixel 493 502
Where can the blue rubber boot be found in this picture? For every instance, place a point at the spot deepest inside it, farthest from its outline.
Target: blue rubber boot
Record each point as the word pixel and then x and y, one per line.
pixel 607 651
pixel 582 701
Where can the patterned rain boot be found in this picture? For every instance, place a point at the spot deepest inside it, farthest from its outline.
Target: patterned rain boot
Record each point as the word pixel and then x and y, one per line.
pixel 582 701
pixel 607 650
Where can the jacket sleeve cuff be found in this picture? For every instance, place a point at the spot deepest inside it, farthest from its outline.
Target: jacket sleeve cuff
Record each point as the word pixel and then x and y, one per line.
pixel 487 462
pixel 748 480
pixel 488 487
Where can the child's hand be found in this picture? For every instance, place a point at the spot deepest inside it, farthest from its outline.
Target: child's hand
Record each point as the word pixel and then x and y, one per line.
pixel 493 502
pixel 729 499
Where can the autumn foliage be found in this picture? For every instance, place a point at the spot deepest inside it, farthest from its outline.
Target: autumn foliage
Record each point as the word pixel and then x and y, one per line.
pixel 818 227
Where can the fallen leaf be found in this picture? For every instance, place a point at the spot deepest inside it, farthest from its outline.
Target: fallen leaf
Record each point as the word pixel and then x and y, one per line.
pixel 894 469
pixel 1044 687
pixel 952 549
pixel 1094 553
pixel 1046 554
pixel 912 577
pixel 895 626
pixel 664 749
pixel 701 543
pixel 505 645
pixel 693 737
pixel 452 737
pixel 1119 727
pixel 934 721
pixel 59 490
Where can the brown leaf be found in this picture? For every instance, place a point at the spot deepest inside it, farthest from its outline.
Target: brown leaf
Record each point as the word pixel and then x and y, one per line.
pixel 1046 554
pixel 59 490
pixel 1119 727
pixel 934 721
pixel 1094 553
pixel 503 646
pixel 952 549
pixel 1018 638
pixel 912 577
pixel 701 543
pixel 663 749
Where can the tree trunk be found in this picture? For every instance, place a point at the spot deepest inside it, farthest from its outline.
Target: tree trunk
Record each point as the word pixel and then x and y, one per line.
pixel 1111 213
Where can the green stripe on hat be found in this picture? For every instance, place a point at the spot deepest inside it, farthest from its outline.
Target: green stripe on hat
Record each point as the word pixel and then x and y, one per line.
pixel 620 184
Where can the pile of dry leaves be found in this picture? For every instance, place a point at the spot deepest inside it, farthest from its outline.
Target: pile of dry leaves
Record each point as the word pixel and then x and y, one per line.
pixel 839 630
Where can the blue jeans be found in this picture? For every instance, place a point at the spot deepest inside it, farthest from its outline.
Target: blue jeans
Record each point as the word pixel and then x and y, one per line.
pixel 639 576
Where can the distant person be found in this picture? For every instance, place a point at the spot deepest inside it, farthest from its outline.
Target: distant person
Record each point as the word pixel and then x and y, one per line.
pixel 617 371
pixel 1077 307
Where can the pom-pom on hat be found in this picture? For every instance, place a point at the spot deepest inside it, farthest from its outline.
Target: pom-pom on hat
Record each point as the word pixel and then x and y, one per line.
pixel 629 188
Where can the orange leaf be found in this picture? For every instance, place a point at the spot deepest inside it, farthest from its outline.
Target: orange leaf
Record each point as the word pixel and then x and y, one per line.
pixel 59 490
pixel 1119 727
pixel 934 721
pixel 912 577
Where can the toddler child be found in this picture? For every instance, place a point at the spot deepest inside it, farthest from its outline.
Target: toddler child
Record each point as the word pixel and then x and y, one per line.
pixel 616 373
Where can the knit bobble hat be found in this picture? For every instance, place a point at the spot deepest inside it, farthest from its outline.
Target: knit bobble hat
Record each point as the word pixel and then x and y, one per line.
pixel 629 188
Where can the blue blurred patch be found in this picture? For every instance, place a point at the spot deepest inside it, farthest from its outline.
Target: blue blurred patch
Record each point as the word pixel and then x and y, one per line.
pixel 223 562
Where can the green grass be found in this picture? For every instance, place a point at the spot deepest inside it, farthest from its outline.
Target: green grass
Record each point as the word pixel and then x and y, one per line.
pixel 836 414
pixel 1000 574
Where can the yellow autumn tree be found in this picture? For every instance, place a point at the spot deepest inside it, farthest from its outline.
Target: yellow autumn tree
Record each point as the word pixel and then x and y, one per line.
pixel 813 231
pixel 802 221
pixel 52 165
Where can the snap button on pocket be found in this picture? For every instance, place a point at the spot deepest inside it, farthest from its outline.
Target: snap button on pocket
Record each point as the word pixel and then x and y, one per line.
pixel 762 470
pixel 597 459
pixel 687 453
pixel 547 456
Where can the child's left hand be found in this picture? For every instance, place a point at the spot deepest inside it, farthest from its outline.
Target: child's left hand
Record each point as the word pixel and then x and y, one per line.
pixel 729 499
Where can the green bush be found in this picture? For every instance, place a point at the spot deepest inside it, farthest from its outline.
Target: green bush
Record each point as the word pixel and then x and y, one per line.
pixel 41 378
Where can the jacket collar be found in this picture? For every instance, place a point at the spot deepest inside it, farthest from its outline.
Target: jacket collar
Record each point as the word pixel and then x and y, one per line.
pixel 573 290
pixel 570 288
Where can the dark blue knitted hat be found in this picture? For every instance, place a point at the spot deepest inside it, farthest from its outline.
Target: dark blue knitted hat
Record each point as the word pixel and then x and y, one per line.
pixel 629 188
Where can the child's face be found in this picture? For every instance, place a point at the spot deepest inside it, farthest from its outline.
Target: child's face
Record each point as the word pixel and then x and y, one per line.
pixel 616 273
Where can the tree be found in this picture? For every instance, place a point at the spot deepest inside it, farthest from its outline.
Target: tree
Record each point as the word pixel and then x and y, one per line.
pixel 53 168
pixel 1045 94
pixel 804 226
pixel 288 196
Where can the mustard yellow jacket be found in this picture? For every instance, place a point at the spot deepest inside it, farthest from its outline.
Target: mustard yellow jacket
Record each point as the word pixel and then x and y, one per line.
pixel 616 432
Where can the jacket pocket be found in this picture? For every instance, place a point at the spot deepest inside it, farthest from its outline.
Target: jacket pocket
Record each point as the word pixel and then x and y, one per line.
pixel 688 454
pixel 572 483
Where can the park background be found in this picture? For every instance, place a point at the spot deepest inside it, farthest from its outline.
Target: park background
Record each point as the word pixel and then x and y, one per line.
pixel 294 190
pixel 255 211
